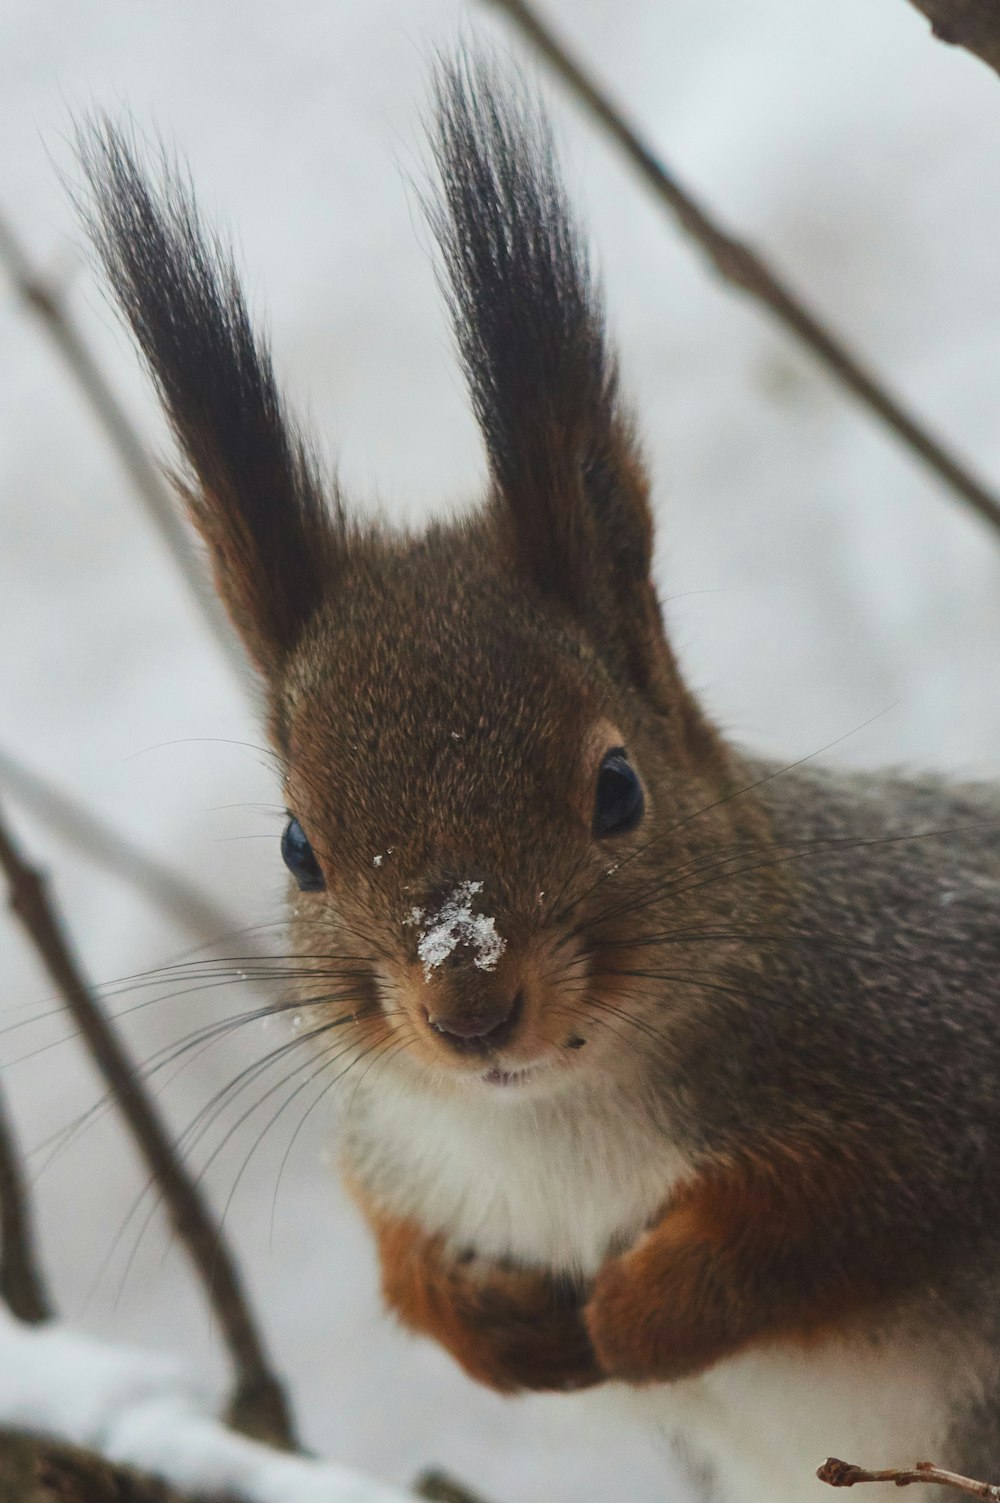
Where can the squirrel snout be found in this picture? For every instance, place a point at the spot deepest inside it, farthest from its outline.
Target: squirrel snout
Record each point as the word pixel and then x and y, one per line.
pixel 488 1024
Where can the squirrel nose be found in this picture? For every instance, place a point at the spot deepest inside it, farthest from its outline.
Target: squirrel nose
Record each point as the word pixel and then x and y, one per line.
pixel 486 1026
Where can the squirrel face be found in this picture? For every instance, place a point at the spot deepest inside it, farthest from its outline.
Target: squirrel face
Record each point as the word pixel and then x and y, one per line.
pixel 486 800
pixel 448 745
pixel 492 764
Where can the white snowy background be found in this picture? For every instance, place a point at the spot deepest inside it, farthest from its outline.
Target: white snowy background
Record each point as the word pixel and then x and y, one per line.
pixel 817 577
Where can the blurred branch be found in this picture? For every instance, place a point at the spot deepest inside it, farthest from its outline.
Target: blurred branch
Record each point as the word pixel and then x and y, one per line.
pixel 44 302
pixel 440 1487
pixel 22 1286
pixel 259 1406
pixel 741 266
pixel 86 833
pixel 972 24
pixel 846 1474
pixel 37 1469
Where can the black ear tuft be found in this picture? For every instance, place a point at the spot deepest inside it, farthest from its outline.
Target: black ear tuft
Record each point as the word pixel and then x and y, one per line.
pixel 529 322
pixel 253 492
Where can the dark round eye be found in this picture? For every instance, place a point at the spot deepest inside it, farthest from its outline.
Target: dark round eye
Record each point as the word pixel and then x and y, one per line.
pixel 620 801
pixel 297 854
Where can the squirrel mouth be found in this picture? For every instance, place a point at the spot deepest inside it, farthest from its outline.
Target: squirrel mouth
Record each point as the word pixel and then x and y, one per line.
pixel 499 1077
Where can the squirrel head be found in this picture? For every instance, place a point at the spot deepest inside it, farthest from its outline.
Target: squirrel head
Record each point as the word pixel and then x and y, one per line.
pixel 492 765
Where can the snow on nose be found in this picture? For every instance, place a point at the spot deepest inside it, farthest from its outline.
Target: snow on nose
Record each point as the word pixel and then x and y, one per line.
pixel 453 923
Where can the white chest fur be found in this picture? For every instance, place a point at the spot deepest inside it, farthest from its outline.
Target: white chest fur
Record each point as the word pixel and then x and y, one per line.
pixel 556 1181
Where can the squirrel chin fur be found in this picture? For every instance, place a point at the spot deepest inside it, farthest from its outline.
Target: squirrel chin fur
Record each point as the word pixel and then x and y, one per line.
pixel 664 1069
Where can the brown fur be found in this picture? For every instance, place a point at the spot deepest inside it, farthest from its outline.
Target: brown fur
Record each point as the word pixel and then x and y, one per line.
pixel 741 1255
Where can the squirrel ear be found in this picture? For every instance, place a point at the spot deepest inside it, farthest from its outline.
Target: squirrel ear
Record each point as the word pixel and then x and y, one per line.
pixel 252 488
pixel 529 323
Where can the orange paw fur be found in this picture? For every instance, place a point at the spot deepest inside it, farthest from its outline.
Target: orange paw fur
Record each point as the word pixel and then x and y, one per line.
pixel 661 1311
pixel 741 1256
pixel 509 1328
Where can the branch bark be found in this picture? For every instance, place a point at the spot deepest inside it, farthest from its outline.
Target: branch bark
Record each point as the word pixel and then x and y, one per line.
pixel 972 24
pixel 48 307
pixel 35 1469
pixel 259 1407
pixel 846 1474
pixel 167 890
pixel 440 1487
pixel 741 266
pixel 22 1286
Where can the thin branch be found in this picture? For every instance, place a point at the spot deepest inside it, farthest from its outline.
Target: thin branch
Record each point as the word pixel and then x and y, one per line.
pixel 441 1487
pixel 972 24
pixel 259 1406
pixel 40 1469
pixel 45 303
pixel 744 269
pixel 81 829
pixel 22 1286
pixel 846 1474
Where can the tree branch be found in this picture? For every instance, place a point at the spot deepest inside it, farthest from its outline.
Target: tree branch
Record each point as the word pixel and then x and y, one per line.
pixel 45 303
pixel 21 1283
pixel 440 1487
pixel 36 1469
pixel 972 24
pixel 743 268
pixel 177 897
pixel 259 1406
pixel 846 1474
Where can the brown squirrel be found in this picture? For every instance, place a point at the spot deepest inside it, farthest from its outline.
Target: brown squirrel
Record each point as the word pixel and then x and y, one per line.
pixel 671 1066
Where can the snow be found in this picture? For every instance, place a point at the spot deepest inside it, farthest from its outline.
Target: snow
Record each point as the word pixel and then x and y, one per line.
pixel 814 576
pixel 454 924
pixel 58 1382
pixel 145 1410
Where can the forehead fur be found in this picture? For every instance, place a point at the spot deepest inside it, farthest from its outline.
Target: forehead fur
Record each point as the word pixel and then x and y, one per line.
pixel 434 696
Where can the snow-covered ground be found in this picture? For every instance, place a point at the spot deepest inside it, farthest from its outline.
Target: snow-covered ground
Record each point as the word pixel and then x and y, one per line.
pixel 817 578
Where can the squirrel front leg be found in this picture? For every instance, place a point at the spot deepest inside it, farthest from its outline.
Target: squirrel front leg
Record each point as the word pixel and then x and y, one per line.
pixel 509 1328
pixel 750 1252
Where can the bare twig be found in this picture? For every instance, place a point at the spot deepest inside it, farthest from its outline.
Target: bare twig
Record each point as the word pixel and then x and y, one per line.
pixel 846 1474
pixel 44 301
pixel 972 24
pixel 22 1286
pixel 177 897
pixel 259 1406
pixel 738 264
pixel 440 1487
pixel 39 1469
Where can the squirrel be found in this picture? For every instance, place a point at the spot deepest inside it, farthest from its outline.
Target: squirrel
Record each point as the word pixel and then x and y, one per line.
pixel 671 1068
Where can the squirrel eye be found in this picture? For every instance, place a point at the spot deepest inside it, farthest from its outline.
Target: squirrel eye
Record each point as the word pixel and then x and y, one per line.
pixel 620 800
pixel 297 854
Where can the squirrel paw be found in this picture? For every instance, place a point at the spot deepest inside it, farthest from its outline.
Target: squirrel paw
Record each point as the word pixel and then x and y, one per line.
pixel 645 1321
pixel 510 1327
pixel 521 1330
